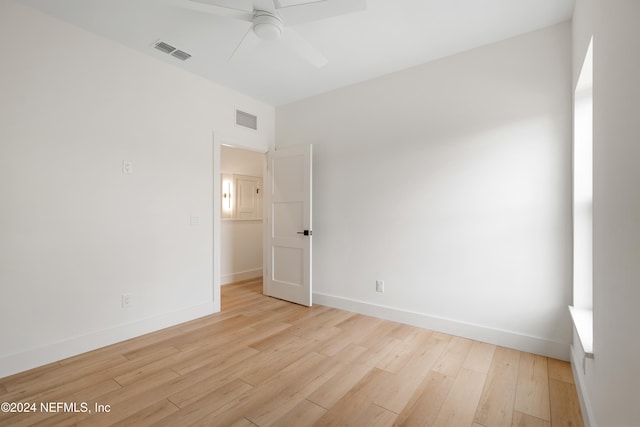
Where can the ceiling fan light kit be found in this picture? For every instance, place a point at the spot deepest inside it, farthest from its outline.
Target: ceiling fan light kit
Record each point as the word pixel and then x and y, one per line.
pixel 267 27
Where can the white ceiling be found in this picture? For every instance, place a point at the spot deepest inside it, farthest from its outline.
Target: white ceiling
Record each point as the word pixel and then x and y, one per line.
pixel 389 36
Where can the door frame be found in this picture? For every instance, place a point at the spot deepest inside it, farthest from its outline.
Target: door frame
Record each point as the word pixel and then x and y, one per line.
pixel 219 140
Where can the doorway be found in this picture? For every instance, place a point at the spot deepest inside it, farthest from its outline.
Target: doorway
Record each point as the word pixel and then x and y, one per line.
pixel 241 214
pixel 238 227
pixel 287 239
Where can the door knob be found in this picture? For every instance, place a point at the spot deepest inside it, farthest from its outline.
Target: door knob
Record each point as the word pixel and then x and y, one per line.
pixel 306 232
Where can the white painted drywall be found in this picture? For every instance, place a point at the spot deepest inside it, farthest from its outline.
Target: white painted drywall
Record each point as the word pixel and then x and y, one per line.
pixel 450 181
pixel 609 383
pixel 241 252
pixel 241 161
pixel 77 233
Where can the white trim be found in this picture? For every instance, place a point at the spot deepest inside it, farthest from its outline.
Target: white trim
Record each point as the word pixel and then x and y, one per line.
pixel 583 323
pixel 217 226
pixel 583 396
pixel 18 362
pixel 241 275
pixel 527 343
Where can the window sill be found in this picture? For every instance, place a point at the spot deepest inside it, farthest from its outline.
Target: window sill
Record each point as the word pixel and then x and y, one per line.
pixel 583 322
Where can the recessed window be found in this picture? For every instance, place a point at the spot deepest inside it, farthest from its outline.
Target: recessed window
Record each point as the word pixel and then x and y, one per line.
pixel 583 186
pixel 582 310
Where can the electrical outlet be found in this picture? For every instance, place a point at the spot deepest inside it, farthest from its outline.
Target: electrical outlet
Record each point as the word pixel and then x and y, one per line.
pixel 126 300
pixel 379 285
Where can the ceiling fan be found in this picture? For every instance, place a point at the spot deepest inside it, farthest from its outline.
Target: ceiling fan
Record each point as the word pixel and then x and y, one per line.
pixel 271 20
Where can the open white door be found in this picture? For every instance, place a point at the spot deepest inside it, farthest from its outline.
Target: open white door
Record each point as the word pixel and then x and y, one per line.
pixel 288 232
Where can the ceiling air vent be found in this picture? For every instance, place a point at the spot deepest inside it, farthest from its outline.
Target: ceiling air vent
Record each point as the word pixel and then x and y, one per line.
pixel 247 120
pixel 164 47
pixel 181 55
pixel 171 50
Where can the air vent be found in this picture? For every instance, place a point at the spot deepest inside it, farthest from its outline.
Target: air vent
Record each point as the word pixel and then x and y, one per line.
pixel 164 47
pixel 181 55
pixel 173 51
pixel 247 120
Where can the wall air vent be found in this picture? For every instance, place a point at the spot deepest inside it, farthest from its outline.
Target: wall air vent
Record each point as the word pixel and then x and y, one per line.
pixel 246 120
pixel 171 50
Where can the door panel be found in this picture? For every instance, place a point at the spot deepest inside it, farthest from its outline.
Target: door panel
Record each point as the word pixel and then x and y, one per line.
pixel 290 177
pixel 288 219
pixel 288 206
pixel 288 265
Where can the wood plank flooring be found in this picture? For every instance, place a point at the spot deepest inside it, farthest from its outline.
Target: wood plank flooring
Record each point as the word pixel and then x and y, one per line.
pixel 263 362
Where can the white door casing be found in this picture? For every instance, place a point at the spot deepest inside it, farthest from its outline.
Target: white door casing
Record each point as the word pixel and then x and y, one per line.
pixel 288 234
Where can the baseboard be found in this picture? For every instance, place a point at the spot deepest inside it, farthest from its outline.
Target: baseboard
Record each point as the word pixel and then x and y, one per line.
pixel 225 279
pixel 583 396
pixel 18 362
pixel 499 337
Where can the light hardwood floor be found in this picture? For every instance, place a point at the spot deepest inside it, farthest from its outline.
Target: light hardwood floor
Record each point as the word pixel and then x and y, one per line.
pixel 262 361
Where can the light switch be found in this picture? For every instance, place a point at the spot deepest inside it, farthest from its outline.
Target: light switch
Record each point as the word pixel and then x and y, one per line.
pixel 127 167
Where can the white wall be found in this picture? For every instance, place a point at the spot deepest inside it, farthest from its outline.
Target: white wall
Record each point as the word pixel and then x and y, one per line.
pixel 75 232
pixel 241 161
pixel 608 384
pixel 241 254
pixel 450 181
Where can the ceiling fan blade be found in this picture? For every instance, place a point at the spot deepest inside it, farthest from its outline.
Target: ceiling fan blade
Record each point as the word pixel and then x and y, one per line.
pixel 240 10
pixel 248 41
pixel 303 48
pixel 319 9
pixel 243 5
pixel 264 5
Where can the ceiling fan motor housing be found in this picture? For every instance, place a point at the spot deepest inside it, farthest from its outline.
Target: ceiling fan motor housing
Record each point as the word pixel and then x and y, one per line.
pixel 267 26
